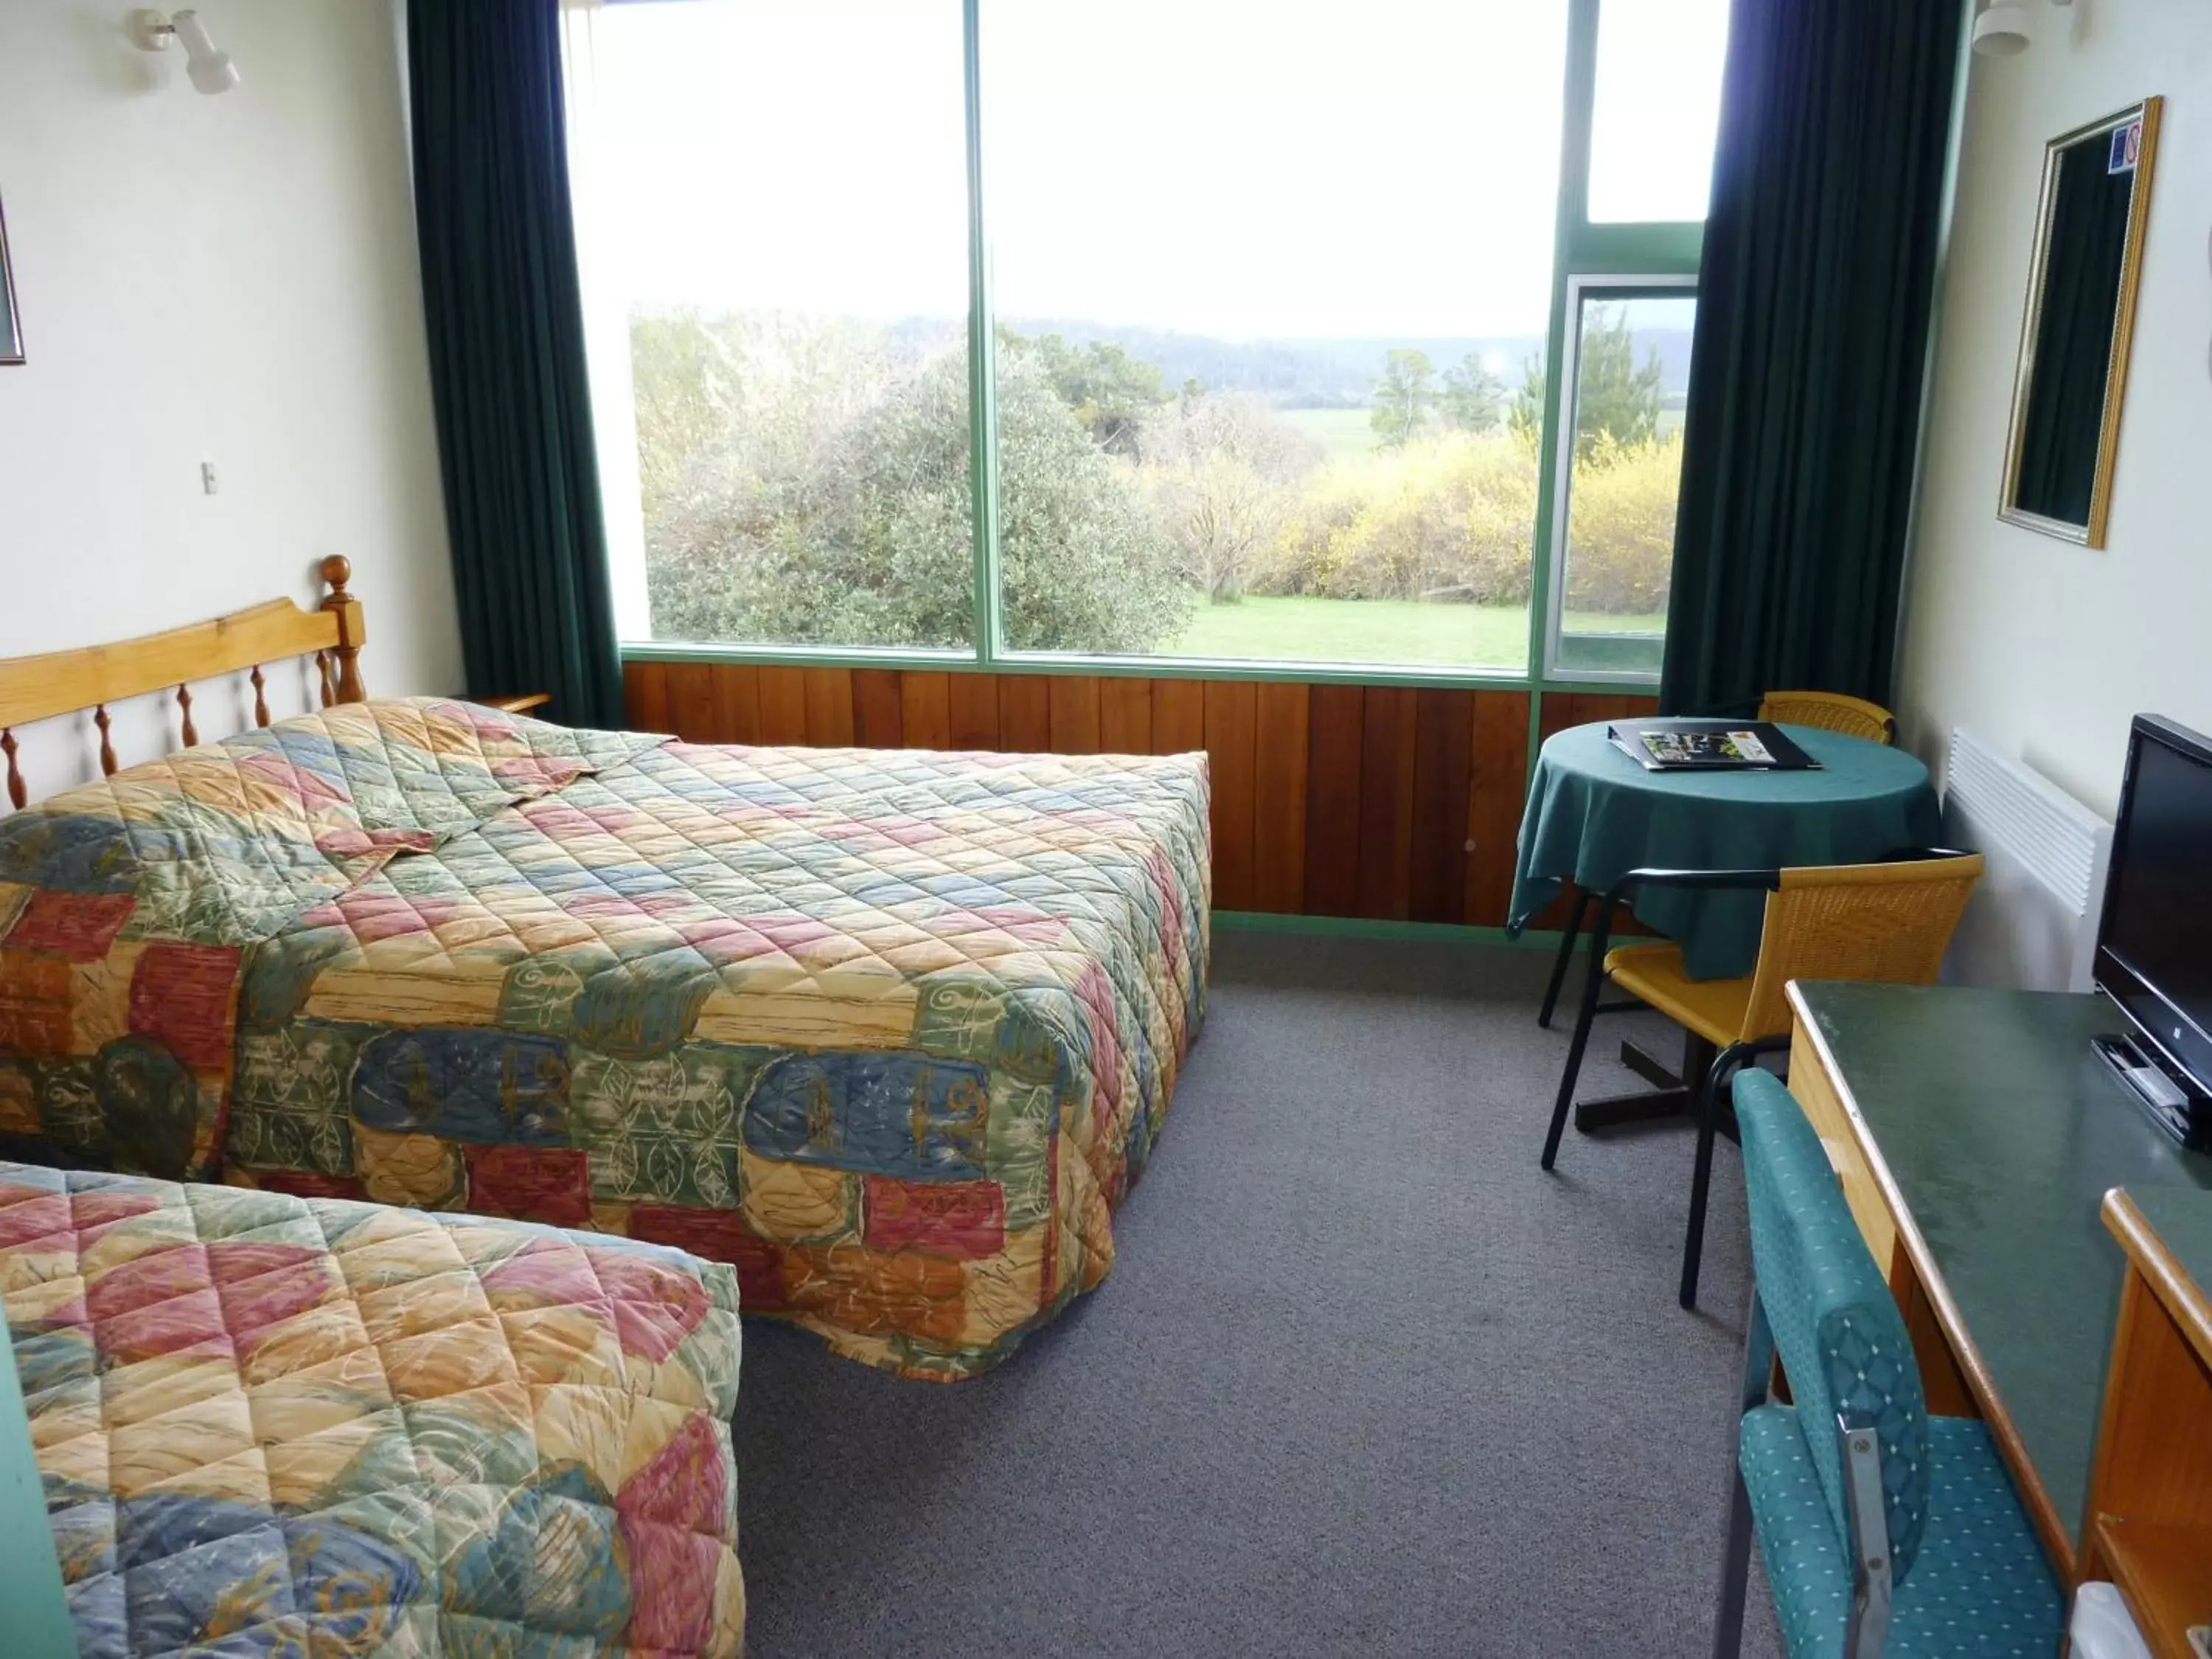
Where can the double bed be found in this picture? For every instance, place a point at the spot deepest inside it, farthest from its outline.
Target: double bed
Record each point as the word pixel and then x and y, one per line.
pixel 891 1033
pixel 872 1041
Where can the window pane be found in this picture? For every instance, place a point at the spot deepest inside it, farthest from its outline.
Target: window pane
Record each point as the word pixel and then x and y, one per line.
pixel 782 212
pixel 1271 284
pixel 1657 106
pixel 1631 372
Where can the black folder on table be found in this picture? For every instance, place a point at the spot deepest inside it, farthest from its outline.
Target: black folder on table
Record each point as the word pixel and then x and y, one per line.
pixel 1709 745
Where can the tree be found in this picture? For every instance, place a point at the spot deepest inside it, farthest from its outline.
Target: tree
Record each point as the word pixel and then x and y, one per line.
pixel 1223 477
pixel 1110 392
pixel 1613 398
pixel 1525 419
pixel 1473 396
pixel 811 518
pixel 1404 394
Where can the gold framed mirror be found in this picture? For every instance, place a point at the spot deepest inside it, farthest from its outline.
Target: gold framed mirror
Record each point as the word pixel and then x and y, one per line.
pixel 2073 339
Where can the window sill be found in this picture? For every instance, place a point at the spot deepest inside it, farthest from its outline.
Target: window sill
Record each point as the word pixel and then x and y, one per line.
pixel 1421 675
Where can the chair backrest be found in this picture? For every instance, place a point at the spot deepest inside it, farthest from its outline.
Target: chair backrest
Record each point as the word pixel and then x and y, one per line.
pixel 1886 922
pixel 1843 1343
pixel 1832 711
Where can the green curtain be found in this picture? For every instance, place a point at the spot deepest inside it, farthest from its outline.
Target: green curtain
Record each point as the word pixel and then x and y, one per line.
pixel 1813 316
pixel 507 376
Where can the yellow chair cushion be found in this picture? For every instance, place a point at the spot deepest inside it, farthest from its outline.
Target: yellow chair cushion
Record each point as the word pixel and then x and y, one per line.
pixel 1713 1008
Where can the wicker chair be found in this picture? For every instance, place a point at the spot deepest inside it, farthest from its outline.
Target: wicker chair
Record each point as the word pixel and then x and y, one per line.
pixel 1831 711
pixel 1889 922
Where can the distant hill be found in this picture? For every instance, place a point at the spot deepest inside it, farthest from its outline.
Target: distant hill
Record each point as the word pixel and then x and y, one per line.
pixel 1329 374
pixel 1316 374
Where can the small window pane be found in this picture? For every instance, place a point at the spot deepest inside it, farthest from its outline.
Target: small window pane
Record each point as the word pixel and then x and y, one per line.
pixel 1273 282
pixel 782 211
pixel 1632 375
pixel 1657 107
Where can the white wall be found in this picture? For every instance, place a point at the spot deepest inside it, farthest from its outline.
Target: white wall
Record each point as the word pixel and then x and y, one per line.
pixel 228 279
pixel 2043 648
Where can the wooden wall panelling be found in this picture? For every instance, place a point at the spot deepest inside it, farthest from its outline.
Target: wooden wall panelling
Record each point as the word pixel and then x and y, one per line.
pixel 1444 770
pixel 1278 798
pixel 1024 713
pixel 1125 715
pixel 877 722
pixel 736 703
pixel 926 709
pixel 972 710
pixel 691 710
pixel 1386 802
pixel 645 696
pixel 1334 720
pixel 1232 739
pixel 1075 715
pixel 782 705
pixel 1178 717
pixel 829 707
pixel 1496 789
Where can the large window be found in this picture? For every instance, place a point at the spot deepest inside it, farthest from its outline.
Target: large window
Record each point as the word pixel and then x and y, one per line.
pixel 1195 330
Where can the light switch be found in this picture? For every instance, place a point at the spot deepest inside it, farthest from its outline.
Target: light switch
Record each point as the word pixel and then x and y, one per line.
pixel 207 478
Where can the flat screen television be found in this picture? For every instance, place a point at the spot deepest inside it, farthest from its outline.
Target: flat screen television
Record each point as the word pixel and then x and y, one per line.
pixel 2155 940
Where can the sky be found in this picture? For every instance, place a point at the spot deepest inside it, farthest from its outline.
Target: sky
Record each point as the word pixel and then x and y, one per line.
pixel 1276 169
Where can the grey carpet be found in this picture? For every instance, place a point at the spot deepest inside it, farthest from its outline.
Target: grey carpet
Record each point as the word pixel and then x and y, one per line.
pixel 1363 1380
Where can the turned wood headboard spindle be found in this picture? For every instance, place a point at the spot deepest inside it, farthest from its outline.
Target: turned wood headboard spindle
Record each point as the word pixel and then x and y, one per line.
pixel 337 572
pixel 96 678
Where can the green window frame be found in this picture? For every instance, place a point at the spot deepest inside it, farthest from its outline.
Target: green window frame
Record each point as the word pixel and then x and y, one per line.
pixel 1630 255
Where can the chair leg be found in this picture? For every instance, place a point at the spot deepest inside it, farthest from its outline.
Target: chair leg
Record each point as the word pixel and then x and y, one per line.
pixel 1592 985
pixel 1566 955
pixel 1708 1108
pixel 1735 1568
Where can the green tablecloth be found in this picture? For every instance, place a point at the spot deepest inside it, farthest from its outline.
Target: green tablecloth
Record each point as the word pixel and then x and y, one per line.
pixel 1594 814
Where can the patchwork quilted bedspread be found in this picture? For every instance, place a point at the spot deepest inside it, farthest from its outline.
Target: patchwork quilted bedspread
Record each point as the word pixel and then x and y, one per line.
pixel 269 1424
pixel 891 1032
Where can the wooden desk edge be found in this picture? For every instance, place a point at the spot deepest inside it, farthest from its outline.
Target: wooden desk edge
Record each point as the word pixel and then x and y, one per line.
pixel 2184 1298
pixel 2041 1509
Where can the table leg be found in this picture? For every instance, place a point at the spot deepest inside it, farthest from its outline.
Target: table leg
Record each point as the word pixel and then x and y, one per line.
pixel 1668 1097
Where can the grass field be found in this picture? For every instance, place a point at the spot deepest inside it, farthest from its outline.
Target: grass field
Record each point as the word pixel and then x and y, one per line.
pixel 1343 434
pixel 1376 630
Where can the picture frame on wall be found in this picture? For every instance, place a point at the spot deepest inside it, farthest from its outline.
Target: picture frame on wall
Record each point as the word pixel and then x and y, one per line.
pixel 11 322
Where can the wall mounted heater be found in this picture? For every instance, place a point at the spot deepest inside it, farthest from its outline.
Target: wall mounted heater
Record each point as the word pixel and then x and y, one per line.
pixel 2033 922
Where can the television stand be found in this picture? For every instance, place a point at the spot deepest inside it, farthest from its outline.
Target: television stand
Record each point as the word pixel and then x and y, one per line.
pixel 2172 1105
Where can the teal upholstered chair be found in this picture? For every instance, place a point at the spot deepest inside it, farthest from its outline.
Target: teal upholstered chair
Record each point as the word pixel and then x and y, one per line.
pixel 1885 1531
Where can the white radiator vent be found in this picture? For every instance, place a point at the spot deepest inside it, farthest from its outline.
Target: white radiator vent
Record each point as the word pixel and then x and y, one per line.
pixel 2033 921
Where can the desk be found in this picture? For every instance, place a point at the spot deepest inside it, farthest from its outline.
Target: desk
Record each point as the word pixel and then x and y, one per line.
pixel 1976 1136
pixel 2149 1524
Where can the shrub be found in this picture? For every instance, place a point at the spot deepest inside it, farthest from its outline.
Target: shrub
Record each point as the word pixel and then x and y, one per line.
pixel 1448 517
pixel 1623 547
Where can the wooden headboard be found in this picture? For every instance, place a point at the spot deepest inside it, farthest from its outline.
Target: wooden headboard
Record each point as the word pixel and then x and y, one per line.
pixel 94 676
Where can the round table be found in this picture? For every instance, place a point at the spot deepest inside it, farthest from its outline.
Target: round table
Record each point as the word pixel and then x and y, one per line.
pixel 1594 814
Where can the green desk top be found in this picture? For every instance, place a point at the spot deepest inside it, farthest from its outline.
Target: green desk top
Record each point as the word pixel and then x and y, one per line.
pixel 2002 1132
pixel 2182 1219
